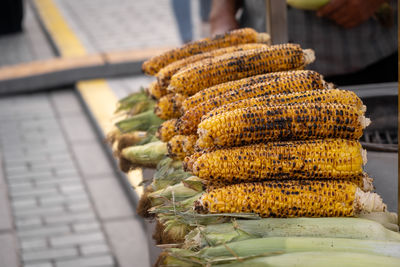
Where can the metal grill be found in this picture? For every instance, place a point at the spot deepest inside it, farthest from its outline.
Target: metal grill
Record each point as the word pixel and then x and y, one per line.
pixel 380 140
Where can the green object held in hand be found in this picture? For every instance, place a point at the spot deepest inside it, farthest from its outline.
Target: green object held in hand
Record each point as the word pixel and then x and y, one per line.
pixel 307 4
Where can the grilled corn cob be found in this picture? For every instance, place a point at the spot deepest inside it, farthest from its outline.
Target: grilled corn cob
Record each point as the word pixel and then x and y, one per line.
pixel 169 106
pixel 291 198
pixel 156 90
pixel 235 37
pixel 333 158
pixel 322 96
pixel 166 130
pixel 221 89
pixel 165 74
pixel 237 65
pixel 295 81
pixel 181 146
pixel 284 122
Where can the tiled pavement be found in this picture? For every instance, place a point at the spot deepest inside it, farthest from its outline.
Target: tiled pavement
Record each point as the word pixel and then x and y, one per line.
pixel 67 206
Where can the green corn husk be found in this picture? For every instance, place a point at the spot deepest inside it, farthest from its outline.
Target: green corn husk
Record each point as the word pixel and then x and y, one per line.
pixel 135 103
pixel 148 155
pixel 213 235
pixel 314 259
pixel 307 4
pixel 259 246
pixel 146 121
pixel 169 172
pixel 190 187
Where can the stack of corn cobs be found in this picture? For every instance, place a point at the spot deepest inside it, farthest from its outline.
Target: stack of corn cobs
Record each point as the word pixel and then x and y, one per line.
pixel 256 147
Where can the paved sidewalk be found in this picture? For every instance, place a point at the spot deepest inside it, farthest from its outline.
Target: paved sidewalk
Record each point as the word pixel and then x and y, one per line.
pixel 67 206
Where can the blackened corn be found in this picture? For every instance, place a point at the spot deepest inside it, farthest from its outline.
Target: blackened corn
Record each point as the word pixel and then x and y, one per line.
pixel 166 130
pixel 336 96
pixel 165 74
pixel 169 106
pixel 181 146
pixel 237 65
pixel 156 90
pixel 283 122
pixel 295 81
pixel 291 198
pixel 235 37
pixel 333 158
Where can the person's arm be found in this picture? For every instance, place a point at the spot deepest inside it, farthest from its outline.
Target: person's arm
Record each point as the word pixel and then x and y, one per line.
pixel 349 13
pixel 222 16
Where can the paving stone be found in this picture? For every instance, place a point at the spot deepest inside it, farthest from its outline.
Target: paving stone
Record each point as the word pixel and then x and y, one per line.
pixel 49 254
pixel 125 235
pixel 6 220
pixel 99 261
pixel 33 244
pixel 79 206
pixel 25 203
pixel 116 207
pixel 63 181
pixel 8 251
pixel 66 102
pixel 45 231
pixel 69 218
pixel 73 188
pixel 77 128
pixel 91 159
pixel 39 264
pixel 24 213
pixel 62 199
pixel 85 226
pixel 76 239
pixel 28 222
pixel 33 192
pixel 93 249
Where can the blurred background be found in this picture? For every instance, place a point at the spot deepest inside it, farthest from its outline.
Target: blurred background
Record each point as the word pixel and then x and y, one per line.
pixel 65 63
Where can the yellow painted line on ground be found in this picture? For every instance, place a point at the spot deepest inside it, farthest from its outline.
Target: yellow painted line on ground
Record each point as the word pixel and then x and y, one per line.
pixel 102 102
pixel 64 37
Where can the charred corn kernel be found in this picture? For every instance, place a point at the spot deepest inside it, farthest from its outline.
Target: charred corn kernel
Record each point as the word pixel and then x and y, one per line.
pixel 333 158
pixel 237 65
pixel 190 160
pixel 295 81
pixel 223 88
pixel 169 106
pixel 156 90
pixel 283 122
pixel 291 198
pixel 235 37
pixel 321 96
pixel 166 130
pixel 165 74
pixel 181 146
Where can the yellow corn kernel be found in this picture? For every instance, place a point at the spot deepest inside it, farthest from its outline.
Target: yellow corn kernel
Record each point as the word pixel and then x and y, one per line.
pixel 291 198
pixel 333 158
pixel 181 146
pixel 287 82
pixel 335 96
pixel 235 37
pixel 237 65
pixel 156 90
pixel 169 106
pixel 166 130
pixel 283 122
pixel 165 74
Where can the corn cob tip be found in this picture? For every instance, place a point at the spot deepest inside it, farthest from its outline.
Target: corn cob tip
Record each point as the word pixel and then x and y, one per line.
pixel 171 89
pixel 368 202
pixel 368 185
pixel 309 56
pixel 263 37
pixel 329 85
pixel 364 156
pixel 365 122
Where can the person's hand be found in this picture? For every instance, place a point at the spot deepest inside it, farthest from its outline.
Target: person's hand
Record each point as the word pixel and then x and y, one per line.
pixel 349 13
pixel 222 16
